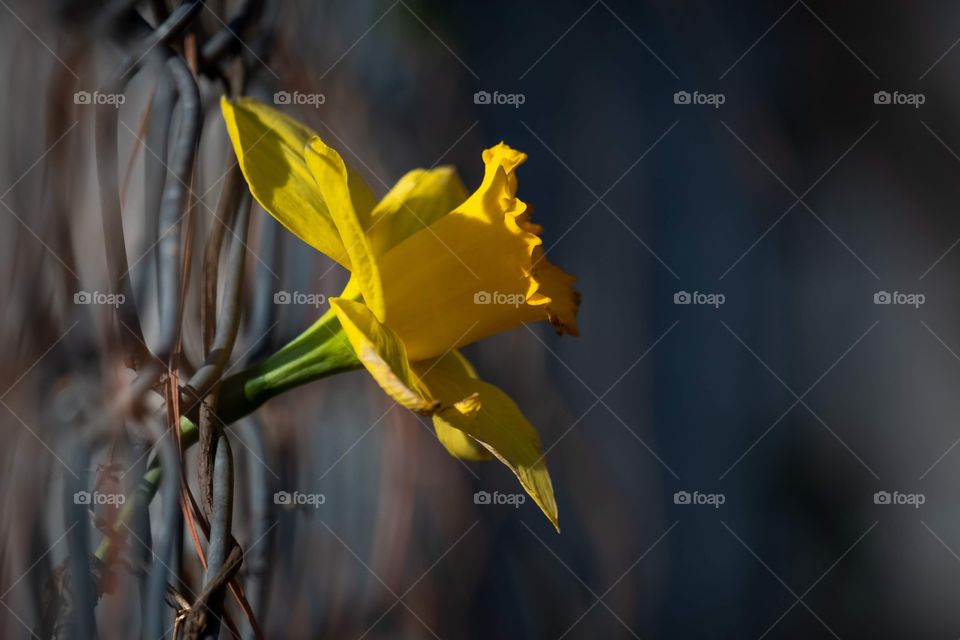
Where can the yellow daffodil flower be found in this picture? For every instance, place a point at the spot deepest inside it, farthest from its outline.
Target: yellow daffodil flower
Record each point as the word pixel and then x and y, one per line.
pixel 432 269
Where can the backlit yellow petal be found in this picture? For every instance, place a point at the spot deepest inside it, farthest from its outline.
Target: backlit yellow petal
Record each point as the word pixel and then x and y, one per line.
pixel 477 271
pixel 497 424
pixel 382 353
pixel 457 443
pixel 332 177
pixel 417 200
pixel 270 150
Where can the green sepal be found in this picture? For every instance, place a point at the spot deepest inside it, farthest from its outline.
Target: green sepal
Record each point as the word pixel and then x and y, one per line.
pixel 320 351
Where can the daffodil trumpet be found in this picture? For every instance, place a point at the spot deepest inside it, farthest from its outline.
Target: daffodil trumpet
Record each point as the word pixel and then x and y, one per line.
pixel 433 268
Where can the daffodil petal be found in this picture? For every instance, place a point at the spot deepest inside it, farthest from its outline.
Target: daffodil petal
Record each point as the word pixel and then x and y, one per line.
pixel 496 423
pixel 417 200
pixel 269 148
pixel 333 179
pixel 382 353
pixel 352 290
pixel 455 441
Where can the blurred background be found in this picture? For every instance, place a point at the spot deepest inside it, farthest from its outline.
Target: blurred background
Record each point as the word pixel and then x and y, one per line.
pixel 754 435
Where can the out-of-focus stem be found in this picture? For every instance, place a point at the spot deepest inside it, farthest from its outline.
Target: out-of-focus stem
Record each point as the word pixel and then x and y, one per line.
pixel 320 351
pixel 147 488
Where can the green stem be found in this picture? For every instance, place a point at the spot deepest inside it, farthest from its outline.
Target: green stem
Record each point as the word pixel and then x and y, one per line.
pixel 320 351
pixel 149 483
